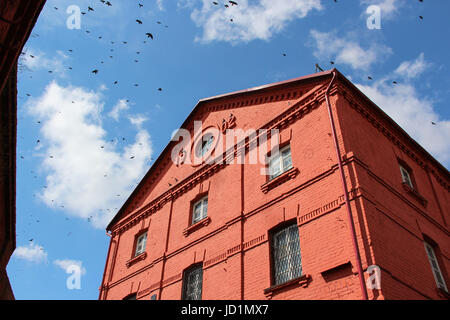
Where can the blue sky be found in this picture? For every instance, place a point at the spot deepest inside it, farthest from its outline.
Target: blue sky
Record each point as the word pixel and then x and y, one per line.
pixel 84 141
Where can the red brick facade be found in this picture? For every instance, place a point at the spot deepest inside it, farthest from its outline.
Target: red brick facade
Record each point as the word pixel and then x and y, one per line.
pixel 233 244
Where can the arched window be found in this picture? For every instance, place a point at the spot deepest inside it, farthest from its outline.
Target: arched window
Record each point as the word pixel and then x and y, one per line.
pixel 192 283
pixel 132 296
pixel 285 252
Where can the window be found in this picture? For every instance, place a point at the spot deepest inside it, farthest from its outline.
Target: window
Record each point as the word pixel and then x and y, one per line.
pixel 204 145
pixel 438 277
pixel 200 210
pixel 140 244
pixel 132 296
pixel 287 264
pixel 406 176
pixel 192 283
pixel 280 162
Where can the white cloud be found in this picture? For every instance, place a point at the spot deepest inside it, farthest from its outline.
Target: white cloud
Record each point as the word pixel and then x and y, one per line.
pixel 347 51
pixel 120 106
pixel 37 60
pixel 414 114
pixel 32 253
pixel 160 4
pixel 412 69
pixel 84 170
pixel 137 120
pixel 256 20
pixel 389 8
pixel 67 264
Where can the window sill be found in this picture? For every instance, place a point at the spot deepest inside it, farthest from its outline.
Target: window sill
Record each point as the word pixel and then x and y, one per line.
pixel 282 178
pixel 415 194
pixel 196 226
pixel 136 259
pixel 302 281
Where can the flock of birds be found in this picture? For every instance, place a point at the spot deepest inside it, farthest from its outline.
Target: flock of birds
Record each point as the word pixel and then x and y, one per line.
pixel 149 36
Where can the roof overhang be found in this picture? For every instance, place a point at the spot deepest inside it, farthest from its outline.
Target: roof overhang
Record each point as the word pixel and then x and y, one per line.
pixel 17 19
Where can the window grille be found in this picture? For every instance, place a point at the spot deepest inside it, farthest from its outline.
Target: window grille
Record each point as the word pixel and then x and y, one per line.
pixel 131 297
pixel 192 283
pixel 286 255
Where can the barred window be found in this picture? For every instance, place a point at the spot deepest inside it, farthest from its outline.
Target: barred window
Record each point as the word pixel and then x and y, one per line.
pixel 280 162
pixel 192 283
pixel 287 263
pixel 437 273
pixel 132 296
pixel 200 210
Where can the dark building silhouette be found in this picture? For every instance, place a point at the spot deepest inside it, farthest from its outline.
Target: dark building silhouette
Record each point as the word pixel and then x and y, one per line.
pixel 17 18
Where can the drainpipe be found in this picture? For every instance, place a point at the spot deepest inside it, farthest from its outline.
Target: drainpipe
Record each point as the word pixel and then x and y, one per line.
pixel 346 196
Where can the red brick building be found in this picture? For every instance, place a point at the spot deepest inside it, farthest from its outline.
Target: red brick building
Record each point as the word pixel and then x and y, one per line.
pixel 17 18
pixel 350 208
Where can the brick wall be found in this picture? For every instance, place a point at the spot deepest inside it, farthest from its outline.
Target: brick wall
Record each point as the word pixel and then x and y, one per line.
pixel 397 219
